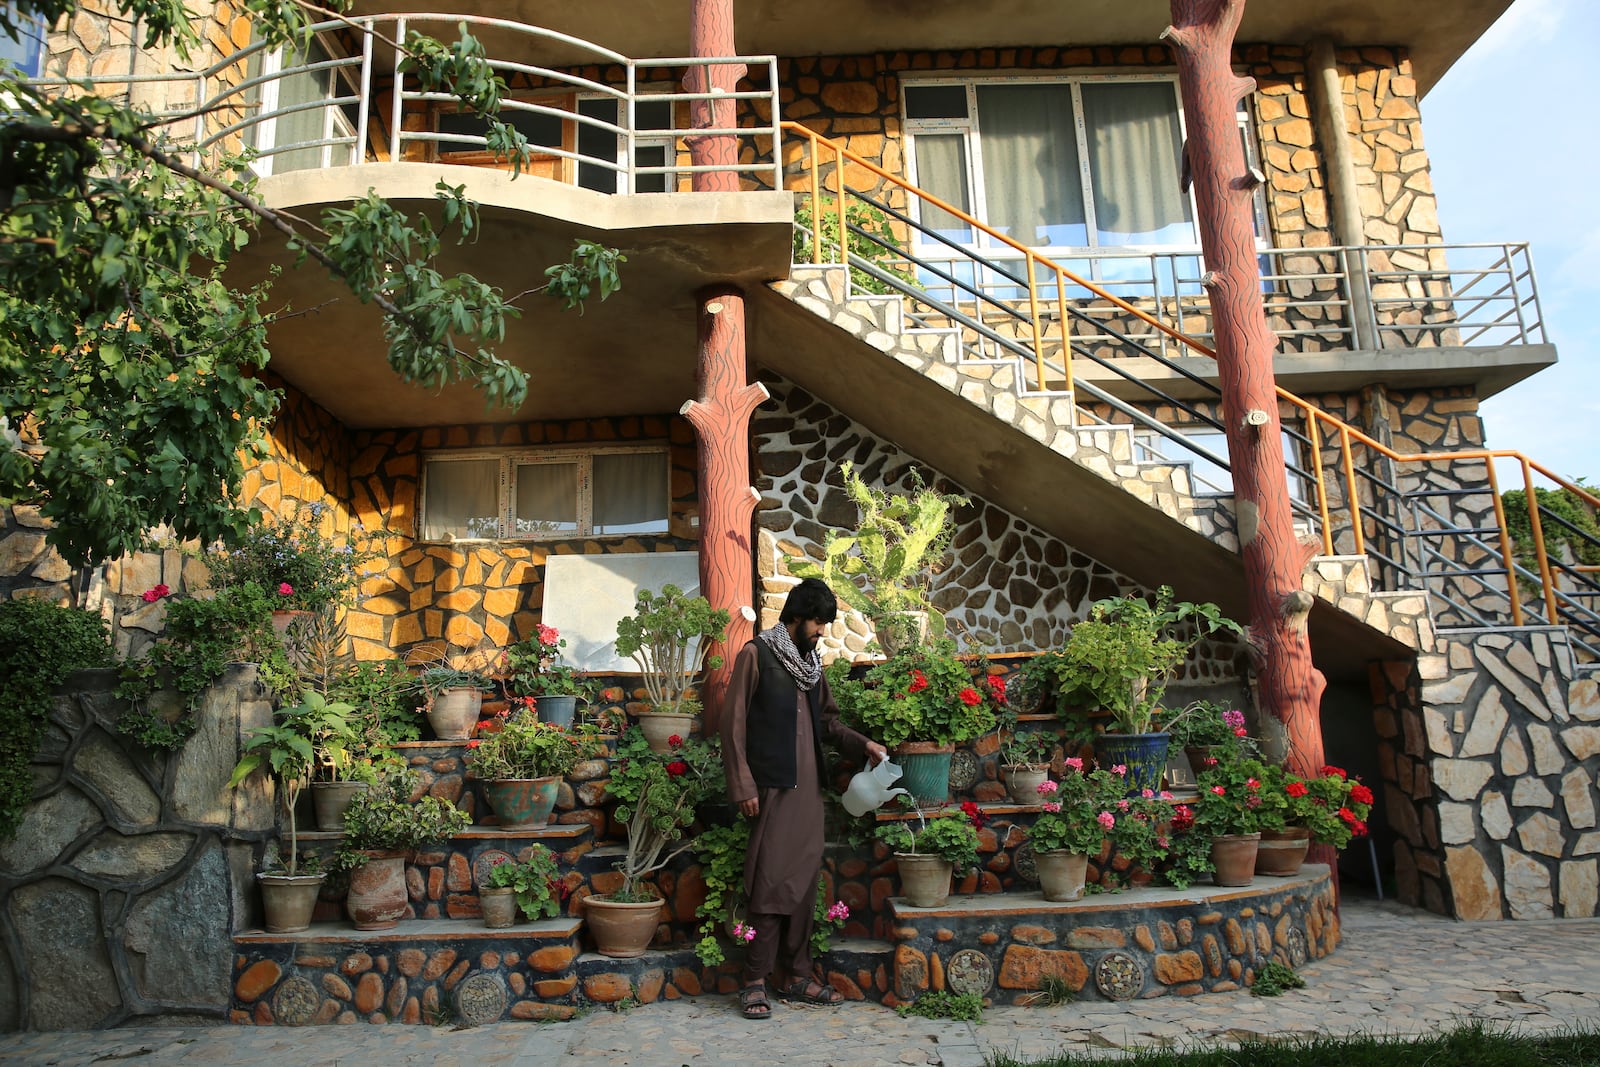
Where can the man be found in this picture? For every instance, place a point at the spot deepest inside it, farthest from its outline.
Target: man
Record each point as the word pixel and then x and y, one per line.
pixel 779 710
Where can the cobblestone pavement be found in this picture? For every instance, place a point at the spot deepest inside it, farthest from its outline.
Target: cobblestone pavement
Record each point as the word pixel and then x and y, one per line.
pixel 1398 971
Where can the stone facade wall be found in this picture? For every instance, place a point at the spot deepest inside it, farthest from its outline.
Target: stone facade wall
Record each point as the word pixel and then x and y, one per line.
pixel 1003 585
pixel 119 896
pixel 1489 751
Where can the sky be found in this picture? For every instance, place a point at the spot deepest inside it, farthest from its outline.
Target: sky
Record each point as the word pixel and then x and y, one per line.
pixel 1511 136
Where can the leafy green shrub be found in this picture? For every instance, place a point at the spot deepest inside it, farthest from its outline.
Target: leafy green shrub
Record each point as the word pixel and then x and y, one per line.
pixel 40 644
pixel 941 1004
pixel 951 835
pixel 536 882
pixel 878 245
pixel 1275 977
pixel 1563 503
pixel 200 639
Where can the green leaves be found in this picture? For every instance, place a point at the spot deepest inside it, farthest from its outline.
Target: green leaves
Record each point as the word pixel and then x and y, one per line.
pixel 127 356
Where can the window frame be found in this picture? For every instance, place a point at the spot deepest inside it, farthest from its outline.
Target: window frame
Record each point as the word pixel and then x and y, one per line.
pixel 30 28
pixel 335 123
pixel 510 458
pixel 970 129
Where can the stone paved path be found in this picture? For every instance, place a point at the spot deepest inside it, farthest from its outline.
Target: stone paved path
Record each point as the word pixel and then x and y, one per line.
pixel 1398 971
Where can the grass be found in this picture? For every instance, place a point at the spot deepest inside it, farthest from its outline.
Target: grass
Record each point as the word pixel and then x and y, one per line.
pixel 1472 1045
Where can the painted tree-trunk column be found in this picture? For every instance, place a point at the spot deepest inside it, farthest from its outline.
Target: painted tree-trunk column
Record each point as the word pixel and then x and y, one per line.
pixel 1289 687
pixel 721 414
pixel 721 419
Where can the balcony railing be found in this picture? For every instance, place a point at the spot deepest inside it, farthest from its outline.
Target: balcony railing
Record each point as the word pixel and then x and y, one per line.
pixel 351 99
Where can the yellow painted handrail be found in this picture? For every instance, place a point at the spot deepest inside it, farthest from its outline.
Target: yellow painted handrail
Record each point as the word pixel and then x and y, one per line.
pixel 1319 423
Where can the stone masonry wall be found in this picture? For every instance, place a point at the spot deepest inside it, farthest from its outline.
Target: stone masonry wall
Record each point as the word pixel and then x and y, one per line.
pixel 1003 585
pixel 119 895
pixel 1489 751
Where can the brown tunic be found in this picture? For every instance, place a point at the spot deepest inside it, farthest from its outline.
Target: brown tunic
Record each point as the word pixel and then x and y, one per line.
pixel 785 853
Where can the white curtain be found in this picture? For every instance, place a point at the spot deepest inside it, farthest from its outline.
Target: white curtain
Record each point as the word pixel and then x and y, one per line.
pixel 942 171
pixel 1032 187
pixel 630 492
pixel 547 498
pixel 462 499
pixel 1134 153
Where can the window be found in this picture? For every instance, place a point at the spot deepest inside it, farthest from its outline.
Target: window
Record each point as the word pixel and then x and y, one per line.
pixel 297 110
pixel 26 52
pixel 545 495
pixel 1087 165
pixel 648 151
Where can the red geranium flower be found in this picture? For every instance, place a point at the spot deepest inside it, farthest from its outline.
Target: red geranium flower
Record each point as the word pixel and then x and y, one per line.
pixel 1360 794
pixel 969 697
pixel 474 743
pixel 675 741
pixel 1296 789
pixel 1182 818
pixel 155 593
pixel 974 813
pixel 919 681
pixel 285 589
pixel 677 768
pixel 1335 770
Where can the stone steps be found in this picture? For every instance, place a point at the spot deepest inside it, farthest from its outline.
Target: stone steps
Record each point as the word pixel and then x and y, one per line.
pixel 1139 943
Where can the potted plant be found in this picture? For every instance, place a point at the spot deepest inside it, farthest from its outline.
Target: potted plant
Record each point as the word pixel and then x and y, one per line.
pixel 284 751
pixel 382 827
pixel 532 885
pixel 298 558
pixel 1238 799
pixel 1119 659
pixel 1024 758
pixel 1207 731
pixel 521 762
pixel 1078 814
pixel 656 794
pixel 928 852
pixel 669 635
pixel 920 704
pixel 452 698
pixel 336 774
pixel 533 668
pixel 886 563
pixel 1328 809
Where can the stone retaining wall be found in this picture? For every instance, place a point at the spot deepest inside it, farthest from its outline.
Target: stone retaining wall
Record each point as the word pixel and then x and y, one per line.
pixel 1489 751
pixel 120 894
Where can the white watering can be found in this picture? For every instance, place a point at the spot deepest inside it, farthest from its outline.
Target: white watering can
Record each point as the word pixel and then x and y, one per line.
pixel 870 789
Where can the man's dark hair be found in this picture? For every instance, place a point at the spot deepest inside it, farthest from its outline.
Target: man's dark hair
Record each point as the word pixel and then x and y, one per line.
pixel 811 599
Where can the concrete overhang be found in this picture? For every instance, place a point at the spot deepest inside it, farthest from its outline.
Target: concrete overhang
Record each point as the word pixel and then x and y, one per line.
pixel 1487 369
pixel 1436 32
pixel 632 354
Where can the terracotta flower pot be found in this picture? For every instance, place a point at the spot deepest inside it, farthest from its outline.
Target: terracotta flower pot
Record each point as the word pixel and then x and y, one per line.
pixel 621 930
pixel 924 880
pixel 658 726
pixel 1234 857
pixel 1061 873
pixel 522 803
pixel 498 906
pixel 331 799
pixel 1023 782
pixel 453 714
pixel 377 898
pixel 1283 851
pixel 288 900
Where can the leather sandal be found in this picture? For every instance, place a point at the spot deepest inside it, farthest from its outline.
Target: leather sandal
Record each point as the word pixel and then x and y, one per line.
pixel 753 1002
pixel 811 991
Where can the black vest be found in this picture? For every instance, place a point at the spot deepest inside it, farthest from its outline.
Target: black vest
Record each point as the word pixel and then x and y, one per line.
pixel 770 723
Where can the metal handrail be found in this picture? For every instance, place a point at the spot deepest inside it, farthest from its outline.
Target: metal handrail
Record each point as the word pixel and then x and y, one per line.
pixel 1319 425
pixel 222 87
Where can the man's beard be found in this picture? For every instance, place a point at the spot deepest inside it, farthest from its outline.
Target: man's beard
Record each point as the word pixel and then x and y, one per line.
pixel 804 644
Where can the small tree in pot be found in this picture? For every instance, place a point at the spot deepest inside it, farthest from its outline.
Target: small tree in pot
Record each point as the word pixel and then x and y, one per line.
pixel 669 635
pixel 285 752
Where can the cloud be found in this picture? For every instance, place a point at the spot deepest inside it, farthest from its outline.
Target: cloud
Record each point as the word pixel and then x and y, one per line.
pixel 1525 23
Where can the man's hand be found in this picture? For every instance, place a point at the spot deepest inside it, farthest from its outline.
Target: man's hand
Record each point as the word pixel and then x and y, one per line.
pixel 751 807
pixel 876 753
